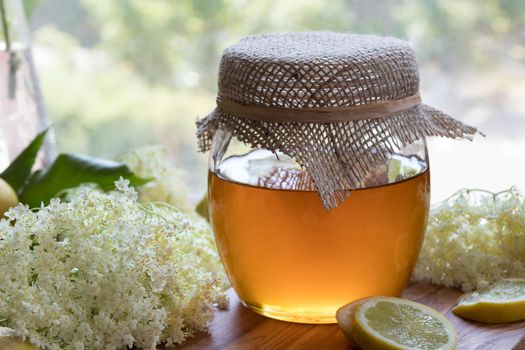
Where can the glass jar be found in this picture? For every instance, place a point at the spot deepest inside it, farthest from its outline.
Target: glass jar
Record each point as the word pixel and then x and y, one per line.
pixel 22 111
pixel 329 202
pixel 288 257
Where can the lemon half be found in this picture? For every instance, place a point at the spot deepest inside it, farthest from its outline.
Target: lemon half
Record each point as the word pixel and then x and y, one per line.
pixel 502 302
pixel 8 197
pixel 9 341
pixel 391 323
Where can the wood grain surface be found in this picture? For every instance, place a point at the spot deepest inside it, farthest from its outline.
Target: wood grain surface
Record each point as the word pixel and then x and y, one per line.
pixel 243 329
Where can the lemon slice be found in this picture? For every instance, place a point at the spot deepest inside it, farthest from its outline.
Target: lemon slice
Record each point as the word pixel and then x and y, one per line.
pixel 345 320
pixel 503 301
pixel 9 341
pixel 391 323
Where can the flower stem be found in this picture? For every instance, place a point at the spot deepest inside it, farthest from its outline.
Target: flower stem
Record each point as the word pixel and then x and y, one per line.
pixel 5 26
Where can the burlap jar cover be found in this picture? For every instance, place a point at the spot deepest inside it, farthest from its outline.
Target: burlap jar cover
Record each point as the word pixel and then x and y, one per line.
pixel 339 104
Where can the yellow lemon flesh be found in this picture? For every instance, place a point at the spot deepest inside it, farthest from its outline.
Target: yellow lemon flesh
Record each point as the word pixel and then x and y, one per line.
pixel 391 323
pixel 502 302
pixel 9 341
pixel 8 197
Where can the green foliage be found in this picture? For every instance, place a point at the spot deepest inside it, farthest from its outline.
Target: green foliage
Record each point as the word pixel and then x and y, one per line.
pixel 19 171
pixel 130 85
pixel 163 39
pixel 70 171
pixel 30 6
pixel 67 171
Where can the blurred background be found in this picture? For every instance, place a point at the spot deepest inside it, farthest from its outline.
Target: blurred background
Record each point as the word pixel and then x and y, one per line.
pixel 117 75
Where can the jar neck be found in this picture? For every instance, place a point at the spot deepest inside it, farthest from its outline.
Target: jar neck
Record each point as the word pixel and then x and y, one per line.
pixel 235 161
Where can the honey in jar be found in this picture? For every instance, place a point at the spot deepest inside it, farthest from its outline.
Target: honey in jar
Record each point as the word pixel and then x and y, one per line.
pixel 319 181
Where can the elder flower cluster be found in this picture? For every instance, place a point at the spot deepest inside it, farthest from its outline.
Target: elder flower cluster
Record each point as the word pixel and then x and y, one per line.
pixel 474 239
pixel 103 271
pixel 168 181
pixel 168 185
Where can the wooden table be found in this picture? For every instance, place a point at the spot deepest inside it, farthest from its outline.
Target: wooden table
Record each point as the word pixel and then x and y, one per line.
pixel 240 328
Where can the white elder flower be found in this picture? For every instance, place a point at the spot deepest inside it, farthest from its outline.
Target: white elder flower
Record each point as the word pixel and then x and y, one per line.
pixel 474 239
pixel 168 183
pixel 103 271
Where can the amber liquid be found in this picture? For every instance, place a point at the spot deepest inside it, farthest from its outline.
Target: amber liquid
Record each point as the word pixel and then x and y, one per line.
pixel 288 258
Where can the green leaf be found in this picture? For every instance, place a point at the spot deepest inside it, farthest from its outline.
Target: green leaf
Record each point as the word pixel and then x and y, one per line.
pixel 202 208
pixel 18 173
pixel 70 170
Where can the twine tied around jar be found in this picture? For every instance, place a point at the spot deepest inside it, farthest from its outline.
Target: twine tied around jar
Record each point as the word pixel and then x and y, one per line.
pixel 318 114
pixel 339 104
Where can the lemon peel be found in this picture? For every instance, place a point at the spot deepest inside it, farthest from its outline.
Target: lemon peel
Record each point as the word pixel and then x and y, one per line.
pixel 8 197
pixel 502 302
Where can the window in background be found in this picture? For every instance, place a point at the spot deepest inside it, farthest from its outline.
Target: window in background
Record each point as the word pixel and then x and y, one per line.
pixel 121 74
